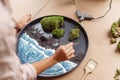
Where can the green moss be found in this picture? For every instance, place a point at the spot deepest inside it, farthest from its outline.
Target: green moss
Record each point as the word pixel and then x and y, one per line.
pixel 113 40
pixel 118 46
pixel 57 33
pixel 74 34
pixel 115 30
pixel 119 22
pixel 51 23
pixel 117 74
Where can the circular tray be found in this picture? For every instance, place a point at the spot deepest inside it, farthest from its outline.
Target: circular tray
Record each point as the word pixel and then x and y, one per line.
pixel 80 44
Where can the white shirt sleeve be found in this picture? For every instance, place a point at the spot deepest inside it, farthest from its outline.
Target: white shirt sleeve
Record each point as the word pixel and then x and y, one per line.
pixel 10 65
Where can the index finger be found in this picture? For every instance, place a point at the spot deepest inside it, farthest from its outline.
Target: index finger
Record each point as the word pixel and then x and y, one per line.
pixel 69 44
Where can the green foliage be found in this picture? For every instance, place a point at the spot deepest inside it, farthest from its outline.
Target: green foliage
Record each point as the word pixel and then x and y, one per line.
pixel 115 30
pixel 113 40
pixel 119 22
pixel 117 75
pixel 57 33
pixel 74 34
pixel 51 23
pixel 118 46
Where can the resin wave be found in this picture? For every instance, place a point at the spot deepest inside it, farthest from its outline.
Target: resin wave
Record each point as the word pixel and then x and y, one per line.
pixel 29 51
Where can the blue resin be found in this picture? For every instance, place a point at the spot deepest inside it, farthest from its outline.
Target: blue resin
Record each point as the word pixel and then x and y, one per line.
pixel 29 51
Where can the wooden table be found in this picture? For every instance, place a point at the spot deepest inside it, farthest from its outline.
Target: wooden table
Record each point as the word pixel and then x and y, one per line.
pixel 99 49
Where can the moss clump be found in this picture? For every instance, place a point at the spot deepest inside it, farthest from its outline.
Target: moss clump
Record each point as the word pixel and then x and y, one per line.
pixel 74 34
pixel 119 22
pixel 118 46
pixel 117 74
pixel 115 30
pixel 57 33
pixel 113 40
pixel 51 23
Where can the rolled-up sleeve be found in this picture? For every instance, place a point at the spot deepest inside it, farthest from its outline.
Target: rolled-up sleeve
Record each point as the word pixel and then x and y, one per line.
pixel 29 72
pixel 10 65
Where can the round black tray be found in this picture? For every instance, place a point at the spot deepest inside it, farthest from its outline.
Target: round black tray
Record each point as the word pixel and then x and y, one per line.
pixel 80 44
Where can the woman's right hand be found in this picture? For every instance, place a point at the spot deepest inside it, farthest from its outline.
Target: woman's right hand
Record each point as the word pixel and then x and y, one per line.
pixel 64 52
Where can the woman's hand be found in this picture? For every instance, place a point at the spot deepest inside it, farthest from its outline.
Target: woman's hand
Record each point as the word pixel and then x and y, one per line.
pixel 64 52
pixel 25 20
